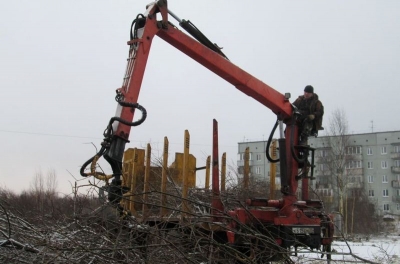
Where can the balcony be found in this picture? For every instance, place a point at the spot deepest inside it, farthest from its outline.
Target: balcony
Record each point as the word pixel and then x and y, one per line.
pixel 354 156
pixel 396 198
pixel 395 155
pixel 322 172
pixel 396 184
pixel 395 169
pixel 355 171
pixel 354 185
pixel 321 185
pixel 324 192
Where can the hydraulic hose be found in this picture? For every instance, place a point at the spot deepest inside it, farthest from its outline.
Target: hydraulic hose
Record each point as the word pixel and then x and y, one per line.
pixel 108 132
pixel 89 161
pixel 136 23
pixel 269 144
pixel 108 137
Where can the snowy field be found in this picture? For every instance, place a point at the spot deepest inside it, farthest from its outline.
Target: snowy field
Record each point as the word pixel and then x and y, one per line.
pixel 380 250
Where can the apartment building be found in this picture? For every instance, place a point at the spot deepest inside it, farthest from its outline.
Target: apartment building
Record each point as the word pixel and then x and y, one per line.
pixel 368 163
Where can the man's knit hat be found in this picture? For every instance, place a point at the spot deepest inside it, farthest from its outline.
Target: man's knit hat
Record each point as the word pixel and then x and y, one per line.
pixel 309 89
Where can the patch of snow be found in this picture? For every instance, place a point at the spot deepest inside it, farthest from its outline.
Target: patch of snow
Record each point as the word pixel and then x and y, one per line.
pixel 377 249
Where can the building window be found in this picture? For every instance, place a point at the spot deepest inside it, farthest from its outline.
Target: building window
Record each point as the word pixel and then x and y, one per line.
pixel 353 164
pixel 323 167
pixel 371 193
pixel 258 170
pixel 385 207
pixel 384 164
pixel 384 179
pixel 396 149
pixel 370 165
pixel 383 150
pixel 398 207
pixel 323 153
pixel 370 179
pixel 358 150
pixel 385 193
pixel 353 150
pixel 397 163
pixel 369 151
pixel 258 157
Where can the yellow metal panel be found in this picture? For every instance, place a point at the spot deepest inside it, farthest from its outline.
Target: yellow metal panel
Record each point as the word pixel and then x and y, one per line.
pixel 137 179
pixel 177 169
pixel 146 181
pixel 164 178
pixel 127 176
pixel 191 171
pixel 127 163
pixel 208 163
pixel 223 172
pixel 185 173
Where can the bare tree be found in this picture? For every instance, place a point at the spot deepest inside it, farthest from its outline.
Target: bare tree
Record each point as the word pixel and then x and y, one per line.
pixel 51 182
pixel 38 189
pixel 338 141
pixel 343 162
pixel 43 188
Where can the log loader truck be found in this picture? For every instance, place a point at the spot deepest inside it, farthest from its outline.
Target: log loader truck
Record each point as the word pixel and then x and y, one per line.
pixel 289 221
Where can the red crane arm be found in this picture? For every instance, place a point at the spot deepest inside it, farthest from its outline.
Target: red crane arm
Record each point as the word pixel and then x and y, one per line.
pixel 144 29
pixel 213 61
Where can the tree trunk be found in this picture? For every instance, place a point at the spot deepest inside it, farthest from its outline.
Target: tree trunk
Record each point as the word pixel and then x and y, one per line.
pixel 352 214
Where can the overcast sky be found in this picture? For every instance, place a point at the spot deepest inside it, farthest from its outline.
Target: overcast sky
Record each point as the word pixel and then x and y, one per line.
pixel 61 62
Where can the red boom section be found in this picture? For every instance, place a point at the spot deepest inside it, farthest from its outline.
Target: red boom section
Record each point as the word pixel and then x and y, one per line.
pixel 242 80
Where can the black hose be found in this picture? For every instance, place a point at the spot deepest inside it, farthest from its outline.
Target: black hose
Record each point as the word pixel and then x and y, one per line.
pixel 99 154
pixel 197 34
pixel 269 144
pixel 135 25
pixel 108 133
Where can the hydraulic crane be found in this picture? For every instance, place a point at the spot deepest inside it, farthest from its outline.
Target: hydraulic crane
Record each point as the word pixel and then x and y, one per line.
pixel 287 221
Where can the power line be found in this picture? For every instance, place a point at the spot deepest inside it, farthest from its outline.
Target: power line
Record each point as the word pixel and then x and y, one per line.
pixel 71 136
pixel 44 134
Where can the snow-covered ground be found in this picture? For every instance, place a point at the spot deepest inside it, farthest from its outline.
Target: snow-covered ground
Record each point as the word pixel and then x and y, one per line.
pixel 380 250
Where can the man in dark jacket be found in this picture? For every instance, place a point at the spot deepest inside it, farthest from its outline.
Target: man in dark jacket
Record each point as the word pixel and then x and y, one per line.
pixel 312 111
